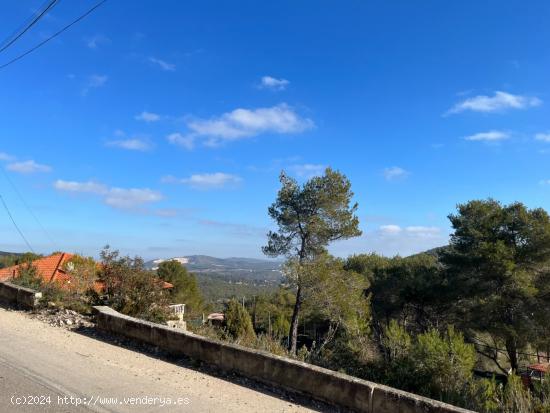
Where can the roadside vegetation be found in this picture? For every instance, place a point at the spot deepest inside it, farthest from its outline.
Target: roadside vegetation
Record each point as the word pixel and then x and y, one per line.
pixel 456 324
pixel 121 282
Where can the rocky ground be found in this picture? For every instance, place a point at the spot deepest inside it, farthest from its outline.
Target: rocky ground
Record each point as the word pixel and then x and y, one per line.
pixel 59 317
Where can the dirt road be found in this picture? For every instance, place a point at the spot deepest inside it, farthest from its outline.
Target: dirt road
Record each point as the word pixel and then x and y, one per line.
pixel 46 366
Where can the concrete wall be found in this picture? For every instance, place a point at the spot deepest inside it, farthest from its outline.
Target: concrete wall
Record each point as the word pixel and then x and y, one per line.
pixel 322 384
pixel 19 296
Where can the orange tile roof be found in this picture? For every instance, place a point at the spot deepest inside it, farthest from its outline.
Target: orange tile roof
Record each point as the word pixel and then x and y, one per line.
pixel 49 268
pixel 52 269
pixel 542 367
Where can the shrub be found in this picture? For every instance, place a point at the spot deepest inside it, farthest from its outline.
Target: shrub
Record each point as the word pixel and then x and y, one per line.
pixel 433 364
pixel 445 364
pixel 27 276
pixel 238 323
pixel 516 398
pixel 485 396
pixel 83 272
pixel 130 288
pixel 396 341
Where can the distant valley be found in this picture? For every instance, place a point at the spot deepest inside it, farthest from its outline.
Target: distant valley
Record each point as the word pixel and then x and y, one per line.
pixel 222 278
pixel 234 269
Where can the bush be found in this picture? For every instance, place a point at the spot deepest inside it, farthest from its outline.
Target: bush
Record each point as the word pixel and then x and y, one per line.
pixel 261 342
pixel 131 289
pixel 27 276
pixel 433 364
pixel 84 272
pixel 396 342
pixel 445 364
pixel 516 399
pixel 485 396
pixel 238 323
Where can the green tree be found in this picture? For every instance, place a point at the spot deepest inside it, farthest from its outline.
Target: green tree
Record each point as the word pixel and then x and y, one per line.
pixel 367 264
pixel 410 289
pixel 309 217
pixel 337 298
pixel 272 312
pixel 494 264
pixel 237 321
pixel 186 289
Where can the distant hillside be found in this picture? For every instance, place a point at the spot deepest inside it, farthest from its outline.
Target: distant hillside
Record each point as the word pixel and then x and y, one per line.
pixel 4 253
pixel 434 251
pixel 234 269
pixel 223 278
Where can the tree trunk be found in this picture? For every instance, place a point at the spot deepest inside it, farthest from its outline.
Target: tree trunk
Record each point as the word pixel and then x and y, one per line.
pixel 293 333
pixel 511 349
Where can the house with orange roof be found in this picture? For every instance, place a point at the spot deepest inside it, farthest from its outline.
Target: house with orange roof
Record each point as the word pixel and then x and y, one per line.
pixel 56 269
pixel 51 269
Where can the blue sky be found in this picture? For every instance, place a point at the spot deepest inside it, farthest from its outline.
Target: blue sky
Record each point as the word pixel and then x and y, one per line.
pixel 161 127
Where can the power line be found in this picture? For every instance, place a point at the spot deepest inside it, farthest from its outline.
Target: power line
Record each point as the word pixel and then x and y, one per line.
pixel 14 187
pixel 90 11
pixel 15 225
pixel 18 33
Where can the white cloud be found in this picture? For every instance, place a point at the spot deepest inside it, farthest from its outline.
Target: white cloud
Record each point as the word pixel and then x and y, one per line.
pixel 188 142
pixel 94 41
pixel 120 198
pixel 246 123
pixel 491 136
pixel 395 172
pixel 392 239
pixel 148 116
pixel 169 67
pixel 94 82
pixel 84 187
pixel 543 137
pixel 544 182
pixel 390 229
pixel 206 181
pixel 415 231
pixel 27 167
pixel 235 229
pixel 97 80
pixel 424 232
pixel 272 83
pixel 6 157
pixel 501 101
pixel 131 144
pixel 130 198
pixel 307 170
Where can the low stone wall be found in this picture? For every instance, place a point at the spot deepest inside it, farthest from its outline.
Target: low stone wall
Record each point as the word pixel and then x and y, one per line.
pixel 19 296
pixel 322 384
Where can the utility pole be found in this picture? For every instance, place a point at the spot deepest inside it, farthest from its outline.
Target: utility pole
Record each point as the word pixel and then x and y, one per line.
pixel 254 312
